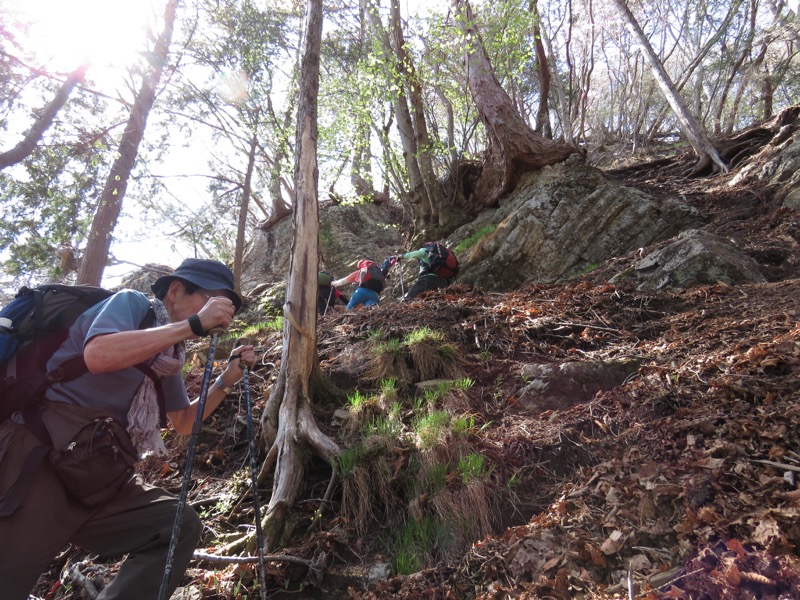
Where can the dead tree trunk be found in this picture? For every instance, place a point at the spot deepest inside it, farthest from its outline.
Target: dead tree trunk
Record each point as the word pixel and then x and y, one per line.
pixel 513 147
pixel 241 228
pixel 110 206
pixel 28 144
pixel 295 430
pixel 694 133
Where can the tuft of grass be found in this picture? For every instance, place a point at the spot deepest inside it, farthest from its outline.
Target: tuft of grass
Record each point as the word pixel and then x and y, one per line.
pixel 389 386
pixel 472 468
pixel 348 460
pixel 392 347
pixel 385 426
pixel 473 239
pixel 463 424
pixel 431 428
pixel 423 334
pixel 463 384
pixel 435 478
pixel 388 362
pixel 356 400
pixel 415 543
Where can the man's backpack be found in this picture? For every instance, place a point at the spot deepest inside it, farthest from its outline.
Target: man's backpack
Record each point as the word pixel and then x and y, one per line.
pixel 372 278
pixel 443 262
pixel 41 318
pixel 324 279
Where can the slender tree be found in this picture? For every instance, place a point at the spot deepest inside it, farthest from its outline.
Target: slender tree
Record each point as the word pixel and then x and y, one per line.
pixel 45 119
pixel 108 211
pixel 288 421
pixel 694 133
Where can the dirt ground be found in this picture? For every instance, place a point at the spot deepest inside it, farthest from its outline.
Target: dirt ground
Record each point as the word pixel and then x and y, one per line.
pixel 680 483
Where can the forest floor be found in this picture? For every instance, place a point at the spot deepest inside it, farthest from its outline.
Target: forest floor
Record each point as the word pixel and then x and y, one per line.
pixel 680 483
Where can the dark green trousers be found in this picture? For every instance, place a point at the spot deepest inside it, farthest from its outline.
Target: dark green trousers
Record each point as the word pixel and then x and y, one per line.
pixel 137 522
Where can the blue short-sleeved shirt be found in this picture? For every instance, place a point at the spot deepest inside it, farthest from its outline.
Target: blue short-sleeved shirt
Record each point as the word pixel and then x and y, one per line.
pixel 114 391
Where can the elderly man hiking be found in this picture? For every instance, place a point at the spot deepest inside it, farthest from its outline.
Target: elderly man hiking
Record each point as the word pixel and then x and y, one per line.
pixel 118 399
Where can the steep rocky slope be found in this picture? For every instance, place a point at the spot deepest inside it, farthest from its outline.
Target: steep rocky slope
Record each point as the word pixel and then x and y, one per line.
pixel 679 482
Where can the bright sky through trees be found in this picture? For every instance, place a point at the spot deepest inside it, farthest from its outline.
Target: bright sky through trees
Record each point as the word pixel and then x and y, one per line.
pixel 64 33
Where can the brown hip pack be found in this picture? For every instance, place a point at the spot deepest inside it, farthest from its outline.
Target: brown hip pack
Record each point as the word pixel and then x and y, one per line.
pixel 92 453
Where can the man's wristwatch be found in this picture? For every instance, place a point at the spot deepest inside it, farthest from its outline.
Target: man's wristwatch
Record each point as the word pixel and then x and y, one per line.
pixel 221 385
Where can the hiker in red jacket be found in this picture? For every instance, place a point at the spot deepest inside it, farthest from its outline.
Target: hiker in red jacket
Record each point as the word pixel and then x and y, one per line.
pixel 131 518
pixel 370 281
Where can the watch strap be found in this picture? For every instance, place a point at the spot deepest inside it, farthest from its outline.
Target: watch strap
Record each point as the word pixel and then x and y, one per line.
pixel 196 325
pixel 221 385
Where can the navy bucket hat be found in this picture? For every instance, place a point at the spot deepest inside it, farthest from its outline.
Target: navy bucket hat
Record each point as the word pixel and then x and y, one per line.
pixel 205 274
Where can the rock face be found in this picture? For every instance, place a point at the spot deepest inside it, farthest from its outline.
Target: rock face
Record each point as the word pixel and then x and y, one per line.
pixel 561 221
pixel 778 163
pixel 694 258
pixel 346 234
pixel 142 279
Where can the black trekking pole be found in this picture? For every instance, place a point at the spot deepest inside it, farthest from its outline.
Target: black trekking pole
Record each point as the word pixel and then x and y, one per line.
pixel 254 475
pixel 187 475
pixel 402 283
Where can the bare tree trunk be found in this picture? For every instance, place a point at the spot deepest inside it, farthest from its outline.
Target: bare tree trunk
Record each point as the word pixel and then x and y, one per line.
pixel 513 147
pixel 28 144
pixel 110 206
pixel 543 112
pixel 241 229
pixel 433 193
pixel 405 125
pixel 296 428
pixel 702 146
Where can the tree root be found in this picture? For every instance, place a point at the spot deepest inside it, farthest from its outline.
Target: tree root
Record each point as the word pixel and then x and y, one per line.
pixel 219 559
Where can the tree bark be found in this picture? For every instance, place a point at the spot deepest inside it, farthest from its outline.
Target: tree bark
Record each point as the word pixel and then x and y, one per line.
pixel 433 193
pixel 110 206
pixel 402 114
pixel 241 229
pixel 513 147
pixel 543 112
pixel 296 430
pixel 28 144
pixel 694 133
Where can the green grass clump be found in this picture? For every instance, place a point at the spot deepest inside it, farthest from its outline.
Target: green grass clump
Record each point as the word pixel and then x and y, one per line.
pixel 472 468
pixel 415 543
pixel 473 239
pixel 431 428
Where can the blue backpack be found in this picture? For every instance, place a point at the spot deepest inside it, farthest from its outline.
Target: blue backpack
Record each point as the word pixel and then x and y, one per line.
pixel 40 320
